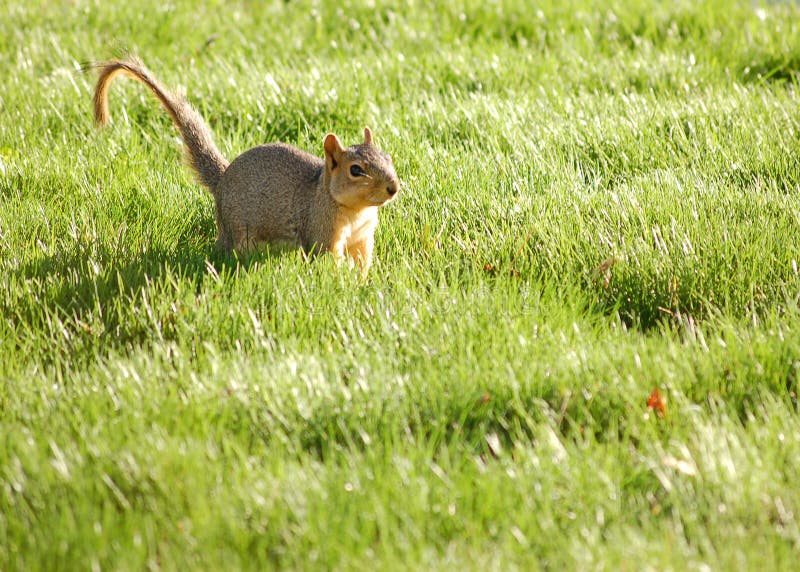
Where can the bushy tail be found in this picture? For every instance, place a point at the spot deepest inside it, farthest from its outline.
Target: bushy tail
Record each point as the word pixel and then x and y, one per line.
pixel 203 155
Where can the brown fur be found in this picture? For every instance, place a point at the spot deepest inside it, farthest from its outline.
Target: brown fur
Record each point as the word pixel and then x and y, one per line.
pixel 277 193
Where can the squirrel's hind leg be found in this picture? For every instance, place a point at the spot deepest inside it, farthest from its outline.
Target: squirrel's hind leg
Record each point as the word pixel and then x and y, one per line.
pixel 241 241
pixel 224 243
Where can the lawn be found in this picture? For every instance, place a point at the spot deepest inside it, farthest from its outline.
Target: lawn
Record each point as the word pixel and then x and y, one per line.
pixel 600 200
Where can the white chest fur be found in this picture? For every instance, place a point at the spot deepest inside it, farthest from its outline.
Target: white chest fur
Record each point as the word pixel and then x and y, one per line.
pixel 359 226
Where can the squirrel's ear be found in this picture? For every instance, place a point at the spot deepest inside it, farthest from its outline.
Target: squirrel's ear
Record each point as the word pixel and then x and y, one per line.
pixel 333 150
pixel 367 136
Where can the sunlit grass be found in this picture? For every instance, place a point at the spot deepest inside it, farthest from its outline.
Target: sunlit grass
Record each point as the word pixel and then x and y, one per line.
pixel 599 200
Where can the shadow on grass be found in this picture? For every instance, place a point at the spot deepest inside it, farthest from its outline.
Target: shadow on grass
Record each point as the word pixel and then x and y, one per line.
pixel 90 287
pixel 772 69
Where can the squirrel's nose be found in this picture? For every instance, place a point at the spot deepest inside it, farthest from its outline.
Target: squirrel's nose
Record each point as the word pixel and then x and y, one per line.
pixel 392 189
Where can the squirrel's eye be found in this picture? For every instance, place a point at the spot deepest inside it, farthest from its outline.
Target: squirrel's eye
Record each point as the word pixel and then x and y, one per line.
pixel 357 171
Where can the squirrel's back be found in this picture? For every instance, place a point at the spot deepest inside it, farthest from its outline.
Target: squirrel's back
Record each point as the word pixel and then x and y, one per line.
pixel 278 176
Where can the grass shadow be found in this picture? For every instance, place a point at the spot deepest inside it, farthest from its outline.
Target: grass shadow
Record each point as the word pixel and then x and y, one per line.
pixel 88 290
pixel 772 69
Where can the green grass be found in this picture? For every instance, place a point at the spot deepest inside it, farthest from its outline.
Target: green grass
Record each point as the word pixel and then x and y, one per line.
pixel 600 199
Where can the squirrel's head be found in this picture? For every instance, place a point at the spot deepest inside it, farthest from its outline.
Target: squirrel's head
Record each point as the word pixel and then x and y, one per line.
pixel 360 176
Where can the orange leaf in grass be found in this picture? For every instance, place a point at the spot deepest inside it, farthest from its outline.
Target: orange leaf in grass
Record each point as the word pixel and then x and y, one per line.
pixel 657 402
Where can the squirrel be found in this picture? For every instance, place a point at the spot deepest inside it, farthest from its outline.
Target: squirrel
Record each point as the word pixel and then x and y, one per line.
pixel 276 193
